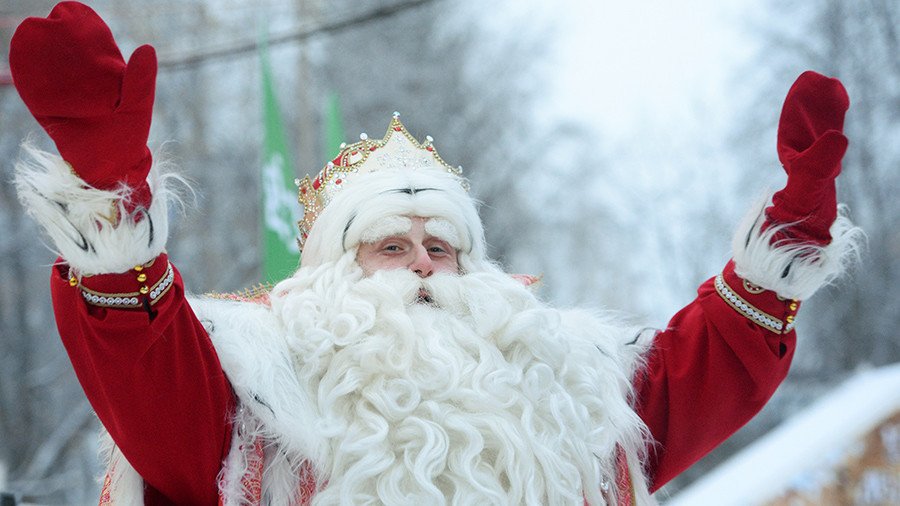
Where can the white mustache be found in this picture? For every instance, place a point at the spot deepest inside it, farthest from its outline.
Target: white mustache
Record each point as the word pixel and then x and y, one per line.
pixel 442 290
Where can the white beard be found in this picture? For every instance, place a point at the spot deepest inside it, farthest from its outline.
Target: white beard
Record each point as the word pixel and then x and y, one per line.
pixel 482 396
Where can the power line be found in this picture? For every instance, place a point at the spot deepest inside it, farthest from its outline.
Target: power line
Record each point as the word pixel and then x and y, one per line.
pixel 200 57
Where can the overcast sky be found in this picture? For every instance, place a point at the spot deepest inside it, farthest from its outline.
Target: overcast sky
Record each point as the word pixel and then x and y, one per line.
pixel 652 80
pixel 628 63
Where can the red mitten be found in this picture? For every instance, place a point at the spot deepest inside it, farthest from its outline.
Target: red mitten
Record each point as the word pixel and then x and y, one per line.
pixel 71 75
pixel 810 147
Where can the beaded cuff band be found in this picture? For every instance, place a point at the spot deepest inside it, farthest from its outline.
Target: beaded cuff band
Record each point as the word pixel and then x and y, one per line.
pixel 132 299
pixel 750 311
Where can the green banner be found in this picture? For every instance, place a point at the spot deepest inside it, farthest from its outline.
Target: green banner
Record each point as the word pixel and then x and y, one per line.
pixel 280 209
pixel 334 127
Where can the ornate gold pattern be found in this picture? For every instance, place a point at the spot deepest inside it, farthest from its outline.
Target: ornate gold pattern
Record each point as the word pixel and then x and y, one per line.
pixel 751 288
pixel 105 492
pixel 258 294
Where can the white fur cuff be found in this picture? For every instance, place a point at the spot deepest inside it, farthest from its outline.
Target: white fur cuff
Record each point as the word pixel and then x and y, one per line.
pixel 793 271
pixel 83 221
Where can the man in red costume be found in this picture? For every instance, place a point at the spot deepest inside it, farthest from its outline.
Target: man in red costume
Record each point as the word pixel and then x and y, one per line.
pixel 398 365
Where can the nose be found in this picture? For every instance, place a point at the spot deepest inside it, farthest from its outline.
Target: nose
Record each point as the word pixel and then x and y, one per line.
pixel 422 264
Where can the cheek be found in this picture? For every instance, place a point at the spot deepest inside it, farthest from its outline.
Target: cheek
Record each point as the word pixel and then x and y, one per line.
pixel 447 265
pixel 371 262
pixel 367 260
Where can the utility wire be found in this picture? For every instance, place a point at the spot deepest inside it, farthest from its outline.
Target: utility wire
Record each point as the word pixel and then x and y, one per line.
pixel 198 58
pixel 201 57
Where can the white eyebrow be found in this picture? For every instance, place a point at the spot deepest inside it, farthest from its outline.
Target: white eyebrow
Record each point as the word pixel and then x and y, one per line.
pixel 443 230
pixel 388 226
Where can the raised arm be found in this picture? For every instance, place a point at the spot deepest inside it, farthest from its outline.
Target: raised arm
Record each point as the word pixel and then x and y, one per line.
pixel 722 357
pixel 145 362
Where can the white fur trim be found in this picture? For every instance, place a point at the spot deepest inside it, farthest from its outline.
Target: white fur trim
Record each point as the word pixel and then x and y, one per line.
pixel 642 495
pixel 81 221
pixel 249 341
pixel 126 487
pixel 793 271
pixel 236 466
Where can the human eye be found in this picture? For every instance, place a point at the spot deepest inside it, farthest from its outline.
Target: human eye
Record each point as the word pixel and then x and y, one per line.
pixel 392 246
pixel 438 248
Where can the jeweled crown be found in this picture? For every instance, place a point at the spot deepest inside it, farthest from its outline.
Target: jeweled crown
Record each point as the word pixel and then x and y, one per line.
pixel 398 149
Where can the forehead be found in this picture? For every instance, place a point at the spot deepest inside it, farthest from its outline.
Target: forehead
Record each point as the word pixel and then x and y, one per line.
pixel 392 226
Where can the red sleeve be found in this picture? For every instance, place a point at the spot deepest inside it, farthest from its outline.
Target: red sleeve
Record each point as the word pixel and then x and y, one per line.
pixel 715 366
pixel 151 374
